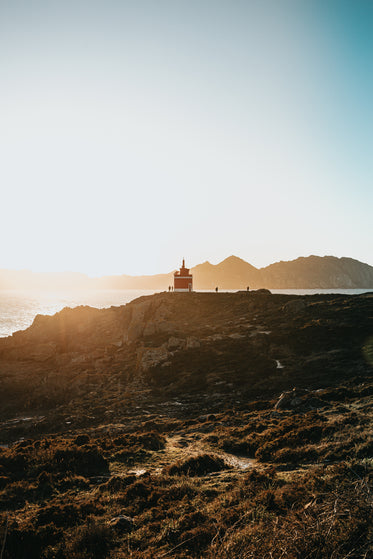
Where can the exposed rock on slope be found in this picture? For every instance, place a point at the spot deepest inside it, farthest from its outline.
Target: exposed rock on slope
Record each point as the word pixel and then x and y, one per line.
pixel 218 348
pixel 102 411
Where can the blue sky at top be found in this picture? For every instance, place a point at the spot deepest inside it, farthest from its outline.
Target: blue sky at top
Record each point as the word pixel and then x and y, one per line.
pixel 135 133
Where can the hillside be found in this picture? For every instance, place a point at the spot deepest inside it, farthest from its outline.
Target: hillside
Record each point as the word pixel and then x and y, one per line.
pixel 231 273
pixel 195 425
pixel 318 272
pixel 312 272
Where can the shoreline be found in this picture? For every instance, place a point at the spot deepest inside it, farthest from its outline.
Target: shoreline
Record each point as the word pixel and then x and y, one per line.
pixel 18 308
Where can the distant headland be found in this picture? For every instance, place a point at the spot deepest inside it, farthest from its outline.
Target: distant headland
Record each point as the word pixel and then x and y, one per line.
pixel 312 272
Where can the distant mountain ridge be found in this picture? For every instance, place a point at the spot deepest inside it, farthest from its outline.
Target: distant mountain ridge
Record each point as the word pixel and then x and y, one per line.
pixel 311 272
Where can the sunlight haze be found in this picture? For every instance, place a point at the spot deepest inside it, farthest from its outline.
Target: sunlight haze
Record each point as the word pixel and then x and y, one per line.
pixel 135 133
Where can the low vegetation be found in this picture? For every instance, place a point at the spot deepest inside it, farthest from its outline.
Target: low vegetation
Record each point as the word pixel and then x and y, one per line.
pixel 199 455
pixel 240 483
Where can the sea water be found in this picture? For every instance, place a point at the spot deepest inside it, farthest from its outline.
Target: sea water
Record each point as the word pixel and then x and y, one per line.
pixel 18 308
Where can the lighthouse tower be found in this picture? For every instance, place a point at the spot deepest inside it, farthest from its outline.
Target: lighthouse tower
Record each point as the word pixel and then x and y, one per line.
pixel 183 279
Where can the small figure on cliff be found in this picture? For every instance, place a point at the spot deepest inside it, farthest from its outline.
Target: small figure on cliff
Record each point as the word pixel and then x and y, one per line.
pixel 216 289
pixel 247 288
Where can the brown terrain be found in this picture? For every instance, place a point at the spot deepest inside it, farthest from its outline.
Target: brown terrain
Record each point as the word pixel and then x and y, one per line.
pixel 233 425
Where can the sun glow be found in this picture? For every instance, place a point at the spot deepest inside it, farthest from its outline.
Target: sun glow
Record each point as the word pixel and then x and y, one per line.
pixel 125 143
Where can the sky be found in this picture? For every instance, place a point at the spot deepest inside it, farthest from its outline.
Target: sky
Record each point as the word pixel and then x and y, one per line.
pixel 135 133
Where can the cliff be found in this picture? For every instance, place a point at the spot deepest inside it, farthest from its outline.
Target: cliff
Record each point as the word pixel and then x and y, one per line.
pixel 190 425
pixel 207 344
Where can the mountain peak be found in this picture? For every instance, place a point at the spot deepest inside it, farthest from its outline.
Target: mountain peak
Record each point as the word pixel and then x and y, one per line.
pixel 234 263
pixel 232 260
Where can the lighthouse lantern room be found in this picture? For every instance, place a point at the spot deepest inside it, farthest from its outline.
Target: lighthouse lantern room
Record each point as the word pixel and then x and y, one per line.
pixel 183 279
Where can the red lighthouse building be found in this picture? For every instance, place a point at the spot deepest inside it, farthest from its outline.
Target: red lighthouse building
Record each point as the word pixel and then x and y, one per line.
pixel 183 279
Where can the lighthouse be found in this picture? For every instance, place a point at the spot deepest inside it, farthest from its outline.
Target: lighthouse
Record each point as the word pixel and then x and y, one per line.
pixel 183 279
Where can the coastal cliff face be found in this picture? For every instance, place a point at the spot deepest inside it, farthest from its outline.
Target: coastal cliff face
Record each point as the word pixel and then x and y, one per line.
pixel 190 425
pixel 221 348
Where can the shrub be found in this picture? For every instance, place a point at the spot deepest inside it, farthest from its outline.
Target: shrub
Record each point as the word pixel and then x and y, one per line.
pixel 81 440
pixel 117 484
pixel 67 514
pixel 197 465
pixel 85 460
pixel 28 542
pixel 197 539
pixel 91 541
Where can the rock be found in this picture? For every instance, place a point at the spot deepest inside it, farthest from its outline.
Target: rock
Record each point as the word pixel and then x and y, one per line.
pixel 236 336
pixel 294 306
pixel 192 343
pixel 122 523
pixel 165 327
pixel 150 328
pixel 299 398
pixel 295 402
pixel 42 352
pixel 166 364
pixel 175 343
pixel 134 331
pixel 291 399
pixel 137 324
pixel 80 440
pixel 153 357
pixel 283 402
pixel 316 403
pixel 215 337
pixel 78 358
pixel 159 327
pixel 162 313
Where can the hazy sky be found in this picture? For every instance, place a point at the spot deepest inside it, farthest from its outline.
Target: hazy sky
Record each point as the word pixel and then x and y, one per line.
pixel 133 133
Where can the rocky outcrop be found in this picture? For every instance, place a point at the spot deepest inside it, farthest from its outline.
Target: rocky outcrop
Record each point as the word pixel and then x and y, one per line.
pixel 222 347
pixel 295 306
pixel 298 399
pixel 153 357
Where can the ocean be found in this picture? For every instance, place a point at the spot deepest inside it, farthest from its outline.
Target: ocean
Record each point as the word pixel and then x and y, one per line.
pixel 18 308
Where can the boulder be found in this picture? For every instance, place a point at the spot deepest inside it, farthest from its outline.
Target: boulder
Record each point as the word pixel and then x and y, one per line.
pixel 291 399
pixel 192 343
pixel 152 357
pixel 121 523
pixel 300 399
pixel 295 306
pixel 175 343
